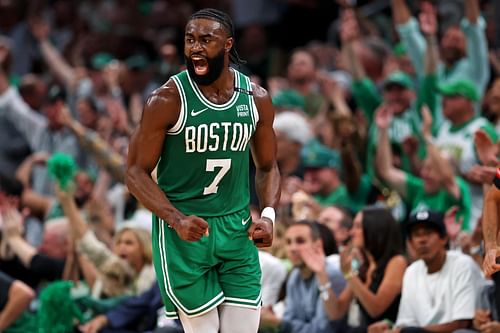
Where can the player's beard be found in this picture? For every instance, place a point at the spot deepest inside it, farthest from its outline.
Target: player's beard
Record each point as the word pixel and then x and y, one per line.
pixel 215 67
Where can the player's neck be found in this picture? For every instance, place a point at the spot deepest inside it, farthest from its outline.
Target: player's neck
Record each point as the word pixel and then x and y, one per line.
pixel 223 83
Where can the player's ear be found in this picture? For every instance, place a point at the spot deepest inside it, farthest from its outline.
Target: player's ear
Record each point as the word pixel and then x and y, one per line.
pixel 229 44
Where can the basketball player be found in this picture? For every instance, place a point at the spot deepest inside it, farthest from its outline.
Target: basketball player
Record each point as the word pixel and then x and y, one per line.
pixel 198 129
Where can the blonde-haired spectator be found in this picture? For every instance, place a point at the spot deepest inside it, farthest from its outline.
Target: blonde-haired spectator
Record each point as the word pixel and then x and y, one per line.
pixel 124 269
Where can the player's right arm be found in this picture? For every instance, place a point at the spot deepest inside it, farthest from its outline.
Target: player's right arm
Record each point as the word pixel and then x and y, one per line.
pixel 160 113
pixel 490 227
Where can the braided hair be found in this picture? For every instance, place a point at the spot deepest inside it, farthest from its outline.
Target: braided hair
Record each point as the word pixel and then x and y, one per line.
pixel 225 20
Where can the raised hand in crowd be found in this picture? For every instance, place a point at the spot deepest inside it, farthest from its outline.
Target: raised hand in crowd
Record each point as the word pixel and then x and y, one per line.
pixel 481 174
pixel 58 65
pixel 289 186
pixel 334 93
pixel 383 117
pixel 351 260
pixel 304 206
pixel 349 29
pixel 118 116
pixel 487 153
pixel 12 222
pixel 453 226
pixel 315 259
pixel 428 19
pixel 486 150
pixel 23 173
pixel 410 144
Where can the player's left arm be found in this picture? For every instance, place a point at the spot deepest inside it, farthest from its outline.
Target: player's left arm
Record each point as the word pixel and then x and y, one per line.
pixel 267 178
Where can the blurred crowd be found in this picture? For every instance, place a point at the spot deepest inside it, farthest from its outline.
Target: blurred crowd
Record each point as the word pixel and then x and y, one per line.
pixel 387 122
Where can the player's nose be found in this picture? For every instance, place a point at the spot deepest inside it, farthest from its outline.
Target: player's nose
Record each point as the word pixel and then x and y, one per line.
pixel 196 47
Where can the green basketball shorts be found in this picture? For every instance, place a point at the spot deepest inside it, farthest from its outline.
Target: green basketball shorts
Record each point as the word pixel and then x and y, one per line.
pixel 196 277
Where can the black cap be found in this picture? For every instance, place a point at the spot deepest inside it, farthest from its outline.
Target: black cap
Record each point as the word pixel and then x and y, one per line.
pixel 430 219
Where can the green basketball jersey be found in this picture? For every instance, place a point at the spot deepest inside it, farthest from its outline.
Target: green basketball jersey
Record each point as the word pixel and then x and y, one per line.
pixel 203 168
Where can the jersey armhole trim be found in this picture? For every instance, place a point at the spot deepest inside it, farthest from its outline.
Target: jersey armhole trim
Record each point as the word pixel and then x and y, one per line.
pixel 181 121
pixel 253 107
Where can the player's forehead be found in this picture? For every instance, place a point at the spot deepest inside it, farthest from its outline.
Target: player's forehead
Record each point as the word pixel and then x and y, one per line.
pixel 205 26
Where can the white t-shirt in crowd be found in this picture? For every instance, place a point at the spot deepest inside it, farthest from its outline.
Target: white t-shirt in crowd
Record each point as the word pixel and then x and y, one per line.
pixel 441 297
pixel 273 277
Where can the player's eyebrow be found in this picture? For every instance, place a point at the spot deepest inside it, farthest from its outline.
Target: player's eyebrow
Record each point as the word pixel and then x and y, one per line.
pixel 206 35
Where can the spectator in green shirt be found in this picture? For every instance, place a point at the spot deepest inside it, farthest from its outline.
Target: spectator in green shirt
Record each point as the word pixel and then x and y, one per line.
pixel 322 176
pixel 323 179
pixel 398 93
pixel 455 138
pixel 301 75
pixel 464 49
pixel 437 188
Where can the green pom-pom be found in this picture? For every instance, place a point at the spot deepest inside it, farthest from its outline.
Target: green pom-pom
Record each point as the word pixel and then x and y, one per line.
pixel 57 311
pixel 62 167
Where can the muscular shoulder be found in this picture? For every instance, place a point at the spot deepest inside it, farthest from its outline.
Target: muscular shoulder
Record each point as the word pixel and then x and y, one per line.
pixel 259 92
pixel 163 105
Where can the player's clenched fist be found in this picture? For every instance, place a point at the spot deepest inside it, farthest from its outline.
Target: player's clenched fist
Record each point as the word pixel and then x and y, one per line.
pixel 191 228
pixel 261 232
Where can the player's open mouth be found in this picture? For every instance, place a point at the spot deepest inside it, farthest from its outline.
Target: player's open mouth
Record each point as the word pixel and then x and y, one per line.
pixel 200 65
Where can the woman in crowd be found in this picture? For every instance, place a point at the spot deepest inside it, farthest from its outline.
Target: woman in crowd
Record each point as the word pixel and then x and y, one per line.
pixel 124 269
pixel 373 266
